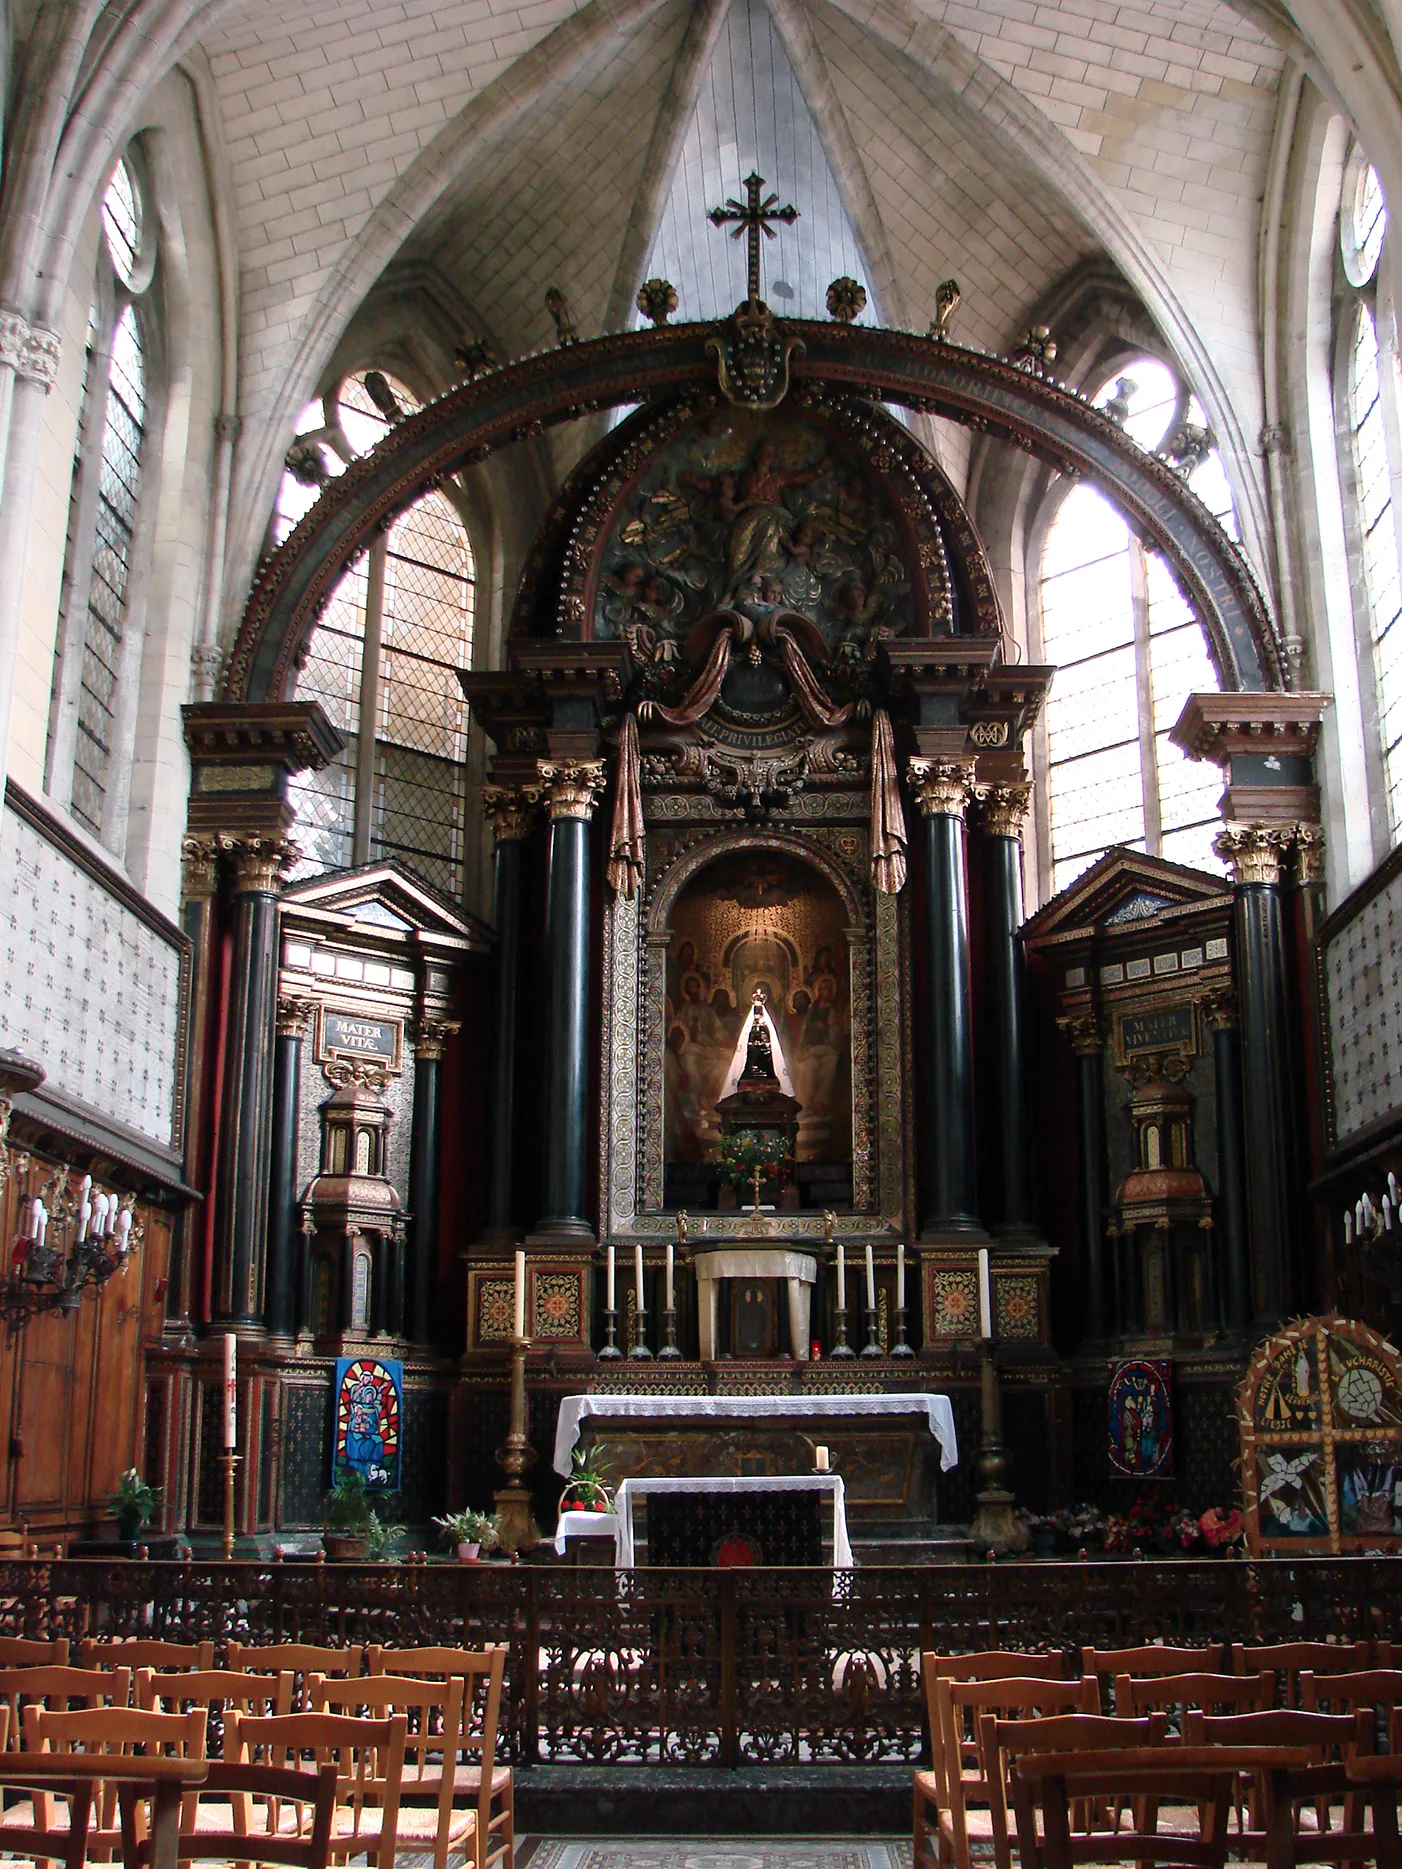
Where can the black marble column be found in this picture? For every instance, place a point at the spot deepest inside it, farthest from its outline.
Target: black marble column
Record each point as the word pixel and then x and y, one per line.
pixel 430 1036
pixel 245 1130
pixel 1004 810
pixel 292 1019
pixel 1230 1213
pixel 572 789
pixel 199 918
pixel 942 790
pixel 1254 852
pixel 510 813
pixel 1088 1043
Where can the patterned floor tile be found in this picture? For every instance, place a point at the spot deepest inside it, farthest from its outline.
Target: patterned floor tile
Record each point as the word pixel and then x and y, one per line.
pixel 721 1853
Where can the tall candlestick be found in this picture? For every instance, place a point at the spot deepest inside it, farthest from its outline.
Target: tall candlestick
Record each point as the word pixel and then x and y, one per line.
pixel 638 1275
pixel 519 1327
pixel 841 1278
pixel 871 1280
pixel 671 1303
pixel 611 1269
pixel 900 1275
pixel 985 1296
pixel 231 1391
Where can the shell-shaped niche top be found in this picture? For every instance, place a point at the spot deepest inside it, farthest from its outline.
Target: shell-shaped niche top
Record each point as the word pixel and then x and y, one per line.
pixel 826 508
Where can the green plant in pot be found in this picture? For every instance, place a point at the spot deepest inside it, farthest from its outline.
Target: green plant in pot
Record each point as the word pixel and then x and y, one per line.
pixel 133 1505
pixel 347 1517
pixel 588 1489
pixel 469 1533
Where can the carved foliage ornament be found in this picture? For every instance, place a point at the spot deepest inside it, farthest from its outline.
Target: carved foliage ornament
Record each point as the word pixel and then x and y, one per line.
pixel 572 786
pixel 510 810
pixel 260 863
pixel 431 1035
pixel 1086 1033
pixel 942 788
pixel 1004 808
pixel 1256 853
pixel 364 1073
pixel 29 350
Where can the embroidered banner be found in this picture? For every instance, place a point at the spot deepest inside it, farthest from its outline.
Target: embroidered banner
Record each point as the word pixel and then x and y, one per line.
pixel 1141 1420
pixel 369 1409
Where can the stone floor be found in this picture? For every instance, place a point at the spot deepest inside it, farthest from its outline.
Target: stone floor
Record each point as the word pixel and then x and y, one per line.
pixel 713 1853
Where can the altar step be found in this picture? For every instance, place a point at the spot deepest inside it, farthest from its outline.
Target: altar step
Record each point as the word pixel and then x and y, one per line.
pixel 679 1801
pixel 946 1544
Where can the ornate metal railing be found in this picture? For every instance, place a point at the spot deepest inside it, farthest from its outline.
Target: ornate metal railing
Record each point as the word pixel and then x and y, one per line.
pixel 706 1667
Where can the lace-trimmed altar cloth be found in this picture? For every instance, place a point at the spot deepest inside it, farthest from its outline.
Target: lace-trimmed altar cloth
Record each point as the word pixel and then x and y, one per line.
pixel 575 1408
pixel 795 1483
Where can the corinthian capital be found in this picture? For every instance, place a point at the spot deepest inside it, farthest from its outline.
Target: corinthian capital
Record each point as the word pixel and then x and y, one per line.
pixel 1086 1032
pixel 431 1035
pixel 260 863
pixel 294 1016
pixel 1253 851
pixel 572 786
pixel 1003 808
pixel 1307 850
pixel 509 809
pixel 942 787
pixel 198 857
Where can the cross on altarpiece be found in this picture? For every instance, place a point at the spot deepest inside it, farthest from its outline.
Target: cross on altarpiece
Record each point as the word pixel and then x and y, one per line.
pixel 753 216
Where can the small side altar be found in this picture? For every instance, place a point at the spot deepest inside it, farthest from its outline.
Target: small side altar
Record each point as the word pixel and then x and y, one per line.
pixel 734 1523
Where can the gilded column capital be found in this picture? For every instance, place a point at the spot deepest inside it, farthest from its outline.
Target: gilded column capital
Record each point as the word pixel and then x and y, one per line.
pixel 942 787
pixel 431 1035
pixel 1003 808
pixel 260 863
pixel 294 1016
pixel 1253 851
pixel 1086 1032
pixel 510 810
pixel 1220 1010
pixel 572 786
pixel 1307 853
pixel 199 858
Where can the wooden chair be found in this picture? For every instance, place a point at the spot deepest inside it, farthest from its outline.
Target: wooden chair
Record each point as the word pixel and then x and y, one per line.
pixel 1287 1661
pixel 58 1689
pixel 304 1843
pixel 1208 1693
pixel 144 1652
pixel 16 1651
pixel 218 1692
pixel 433 1715
pixel 369 1759
pixel 478 1776
pixel 114 1732
pixel 1378 1688
pixel 1002 1742
pixel 961 1707
pixel 1143 1662
pixel 1134 1778
pixel 303 1658
pixel 1317 1778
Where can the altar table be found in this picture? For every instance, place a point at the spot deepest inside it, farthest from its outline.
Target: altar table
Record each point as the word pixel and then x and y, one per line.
pixel 631 1492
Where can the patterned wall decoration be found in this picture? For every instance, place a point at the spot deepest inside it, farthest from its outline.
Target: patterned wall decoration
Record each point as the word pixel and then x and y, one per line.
pixel 496 1298
pixel 953 1305
pixel 556 1304
pixel 96 980
pixel 1362 968
pixel 1015 1306
pixel 307 1414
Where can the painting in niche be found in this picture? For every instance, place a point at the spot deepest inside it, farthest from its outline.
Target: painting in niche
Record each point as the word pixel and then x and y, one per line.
pixel 759 918
pixel 760 511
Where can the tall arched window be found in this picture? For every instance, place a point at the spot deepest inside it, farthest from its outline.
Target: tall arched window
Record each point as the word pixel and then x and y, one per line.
pixel 383 663
pixel 1128 652
pixel 1362 225
pixel 92 703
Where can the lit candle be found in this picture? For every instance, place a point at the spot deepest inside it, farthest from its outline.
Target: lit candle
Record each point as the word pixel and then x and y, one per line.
pixel 231 1392
pixel 985 1296
pixel 638 1275
pixel 41 1221
pixel 99 1217
pixel 900 1275
pixel 871 1280
pixel 519 1324
pixel 671 1304
pixel 820 1459
pixel 841 1278
pixel 123 1229
pixel 609 1304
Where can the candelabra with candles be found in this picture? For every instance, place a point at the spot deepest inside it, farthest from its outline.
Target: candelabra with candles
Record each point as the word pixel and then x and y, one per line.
pixel 70 1239
pixel 1368 1221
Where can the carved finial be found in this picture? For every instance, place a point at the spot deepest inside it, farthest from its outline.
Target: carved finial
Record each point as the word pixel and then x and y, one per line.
pixel 947 296
pixel 378 390
pixel 565 332
pixel 474 357
pixel 846 299
pixel 1036 353
pixel 307 464
pixel 657 300
pixel 1118 406
pixel 751 218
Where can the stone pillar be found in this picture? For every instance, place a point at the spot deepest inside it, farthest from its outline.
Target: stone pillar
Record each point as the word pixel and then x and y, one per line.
pixel 245 1129
pixel 511 811
pixel 571 788
pixel 1004 812
pixel 293 1018
pixel 430 1036
pixel 1254 853
pixel 199 858
pixel 1087 1036
pixel 1220 1012
pixel 942 789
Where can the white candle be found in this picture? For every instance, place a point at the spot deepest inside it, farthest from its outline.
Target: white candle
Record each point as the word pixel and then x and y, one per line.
pixel 608 1303
pixel 638 1275
pixel 231 1392
pixel 671 1303
pixel 84 1208
pixel 871 1280
pixel 99 1216
pixel 1348 1227
pixel 841 1278
pixel 519 1327
pixel 123 1229
pixel 820 1459
pixel 985 1296
pixel 35 1209
pixel 41 1222
pixel 900 1275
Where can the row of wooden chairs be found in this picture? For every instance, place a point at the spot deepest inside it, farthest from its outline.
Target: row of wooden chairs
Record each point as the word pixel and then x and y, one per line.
pixel 986 1710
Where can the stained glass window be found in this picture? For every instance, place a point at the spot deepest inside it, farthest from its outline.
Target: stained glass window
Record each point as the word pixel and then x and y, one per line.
pixel 1377 525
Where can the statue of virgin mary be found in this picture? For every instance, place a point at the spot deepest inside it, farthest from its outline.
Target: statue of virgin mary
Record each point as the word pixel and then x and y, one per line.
pixel 759 1018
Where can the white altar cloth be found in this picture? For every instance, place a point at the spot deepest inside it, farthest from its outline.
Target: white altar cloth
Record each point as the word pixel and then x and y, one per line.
pixel 575 1408
pixel 586 1525
pixel 803 1482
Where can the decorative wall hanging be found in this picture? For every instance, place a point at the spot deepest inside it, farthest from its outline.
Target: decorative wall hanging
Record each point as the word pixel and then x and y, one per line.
pixel 1320 1417
pixel 369 1410
pixel 1141 1420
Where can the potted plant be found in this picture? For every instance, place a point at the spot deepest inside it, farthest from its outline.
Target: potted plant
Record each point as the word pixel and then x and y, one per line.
pixel 470 1533
pixel 347 1517
pixel 132 1505
pixel 380 1534
pixel 587 1490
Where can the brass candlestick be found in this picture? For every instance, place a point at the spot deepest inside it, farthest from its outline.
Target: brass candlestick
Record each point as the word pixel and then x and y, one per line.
pixel 515 1458
pixel 610 1348
pixel 873 1343
pixel 669 1334
pixel 841 1347
pixel 229 1460
pixel 639 1350
pixel 995 1529
pixel 900 1347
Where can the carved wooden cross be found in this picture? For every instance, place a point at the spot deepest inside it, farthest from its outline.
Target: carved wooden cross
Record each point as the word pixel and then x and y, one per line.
pixel 753 216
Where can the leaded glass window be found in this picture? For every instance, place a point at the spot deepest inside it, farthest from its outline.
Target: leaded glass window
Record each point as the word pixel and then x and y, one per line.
pixel 1128 652
pixel 412 598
